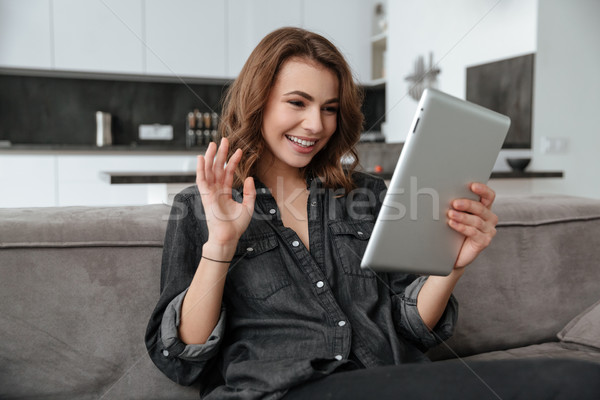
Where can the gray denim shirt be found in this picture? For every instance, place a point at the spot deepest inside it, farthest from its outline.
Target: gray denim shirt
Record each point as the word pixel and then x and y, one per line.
pixel 289 314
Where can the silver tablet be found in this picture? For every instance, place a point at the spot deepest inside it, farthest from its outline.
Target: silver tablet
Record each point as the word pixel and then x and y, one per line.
pixel 451 144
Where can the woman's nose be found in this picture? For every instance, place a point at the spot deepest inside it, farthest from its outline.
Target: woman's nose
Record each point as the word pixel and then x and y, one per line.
pixel 312 120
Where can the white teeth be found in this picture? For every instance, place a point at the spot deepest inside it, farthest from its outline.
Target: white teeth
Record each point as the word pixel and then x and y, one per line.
pixel 301 142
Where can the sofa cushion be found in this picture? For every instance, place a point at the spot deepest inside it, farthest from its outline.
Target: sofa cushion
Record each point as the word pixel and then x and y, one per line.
pixel 544 350
pixel 584 329
pixel 77 286
pixel 83 226
pixel 534 210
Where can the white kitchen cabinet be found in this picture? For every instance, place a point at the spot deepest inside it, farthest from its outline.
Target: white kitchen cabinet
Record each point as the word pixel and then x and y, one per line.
pixel 50 180
pixel 27 181
pixel 25 34
pixel 190 38
pixel 186 38
pixel 249 21
pixel 347 23
pixel 99 36
pixel 80 181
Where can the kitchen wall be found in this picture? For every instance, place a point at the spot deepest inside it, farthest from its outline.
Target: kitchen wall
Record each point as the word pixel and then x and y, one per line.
pixel 564 35
pixel 55 111
pixel 567 95
pixel 51 110
pixel 460 33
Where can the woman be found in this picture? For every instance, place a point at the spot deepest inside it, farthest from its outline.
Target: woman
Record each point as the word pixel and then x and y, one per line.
pixel 261 289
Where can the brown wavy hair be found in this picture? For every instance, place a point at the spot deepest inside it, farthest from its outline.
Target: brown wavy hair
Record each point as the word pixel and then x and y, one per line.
pixel 245 101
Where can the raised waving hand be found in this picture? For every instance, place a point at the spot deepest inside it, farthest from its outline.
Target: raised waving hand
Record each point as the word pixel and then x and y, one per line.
pixel 226 218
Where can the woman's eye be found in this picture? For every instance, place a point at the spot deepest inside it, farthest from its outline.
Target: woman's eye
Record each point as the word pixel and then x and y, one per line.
pixel 331 110
pixel 296 103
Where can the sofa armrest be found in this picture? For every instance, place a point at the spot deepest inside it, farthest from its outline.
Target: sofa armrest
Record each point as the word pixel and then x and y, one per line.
pixel 540 271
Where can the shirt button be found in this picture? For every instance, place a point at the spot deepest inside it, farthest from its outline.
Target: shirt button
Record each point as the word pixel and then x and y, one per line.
pixel 342 323
pixel 249 249
pixel 320 284
pixel 338 357
pixel 165 353
pixel 272 211
pixel 314 204
pixel 295 243
pixel 360 233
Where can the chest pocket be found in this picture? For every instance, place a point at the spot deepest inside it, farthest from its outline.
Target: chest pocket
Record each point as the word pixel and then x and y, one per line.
pixel 350 239
pixel 257 271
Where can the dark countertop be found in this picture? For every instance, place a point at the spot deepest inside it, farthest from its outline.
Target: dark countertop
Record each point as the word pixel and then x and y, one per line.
pixel 190 177
pixel 148 177
pixel 153 148
pixel 91 149
pixel 526 174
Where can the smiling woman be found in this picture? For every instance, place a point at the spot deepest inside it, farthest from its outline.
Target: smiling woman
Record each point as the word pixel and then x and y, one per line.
pixel 298 124
pixel 260 294
pixel 246 102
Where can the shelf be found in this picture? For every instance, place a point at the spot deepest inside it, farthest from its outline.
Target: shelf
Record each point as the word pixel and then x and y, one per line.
pixel 148 177
pixel 526 174
pixel 376 83
pixel 379 40
pixel 190 177
pixel 378 51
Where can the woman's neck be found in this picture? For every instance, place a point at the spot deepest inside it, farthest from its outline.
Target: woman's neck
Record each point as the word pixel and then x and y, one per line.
pixel 281 180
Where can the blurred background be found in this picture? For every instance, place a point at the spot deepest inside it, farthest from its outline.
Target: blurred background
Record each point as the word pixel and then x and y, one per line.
pixel 159 69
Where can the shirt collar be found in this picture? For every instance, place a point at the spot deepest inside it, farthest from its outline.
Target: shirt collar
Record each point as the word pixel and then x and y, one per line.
pixel 261 189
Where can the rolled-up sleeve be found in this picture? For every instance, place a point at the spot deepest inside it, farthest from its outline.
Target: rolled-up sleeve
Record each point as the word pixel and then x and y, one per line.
pixel 185 235
pixel 408 321
pixel 404 290
pixel 190 352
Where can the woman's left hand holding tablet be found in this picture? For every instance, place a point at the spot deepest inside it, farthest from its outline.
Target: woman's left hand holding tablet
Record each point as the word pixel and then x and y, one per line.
pixel 476 221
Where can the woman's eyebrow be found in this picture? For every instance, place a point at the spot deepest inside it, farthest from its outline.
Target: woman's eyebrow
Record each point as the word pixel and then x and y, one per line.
pixel 309 97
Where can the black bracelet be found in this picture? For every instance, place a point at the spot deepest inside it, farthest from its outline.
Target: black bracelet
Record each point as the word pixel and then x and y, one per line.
pixel 219 261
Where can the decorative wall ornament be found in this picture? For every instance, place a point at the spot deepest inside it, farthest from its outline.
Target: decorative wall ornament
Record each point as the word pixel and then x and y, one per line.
pixel 422 78
pixel 380 18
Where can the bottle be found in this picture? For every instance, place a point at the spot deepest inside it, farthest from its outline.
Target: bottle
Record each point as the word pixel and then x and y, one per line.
pixel 103 129
pixel 190 134
pixel 214 133
pixel 198 130
pixel 207 125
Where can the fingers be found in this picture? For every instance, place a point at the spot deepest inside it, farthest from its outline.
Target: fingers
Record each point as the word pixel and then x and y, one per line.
pixel 486 194
pixel 211 170
pixel 232 164
pixel 200 178
pixel 477 237
pixel 209 159
pixel 214 161
pixel 219 163
pixel 249 194
pixel 476 208
pixel 474 221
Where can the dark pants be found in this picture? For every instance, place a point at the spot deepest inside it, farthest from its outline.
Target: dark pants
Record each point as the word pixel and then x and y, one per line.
pixel 506 379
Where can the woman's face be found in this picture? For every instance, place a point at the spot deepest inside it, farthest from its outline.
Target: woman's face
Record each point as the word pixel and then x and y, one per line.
pixel 301 113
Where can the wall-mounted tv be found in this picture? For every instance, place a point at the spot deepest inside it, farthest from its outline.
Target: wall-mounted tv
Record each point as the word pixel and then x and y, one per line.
pixel 506 86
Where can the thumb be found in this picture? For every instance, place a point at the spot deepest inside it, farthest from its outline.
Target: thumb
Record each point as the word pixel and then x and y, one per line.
pixel 249 194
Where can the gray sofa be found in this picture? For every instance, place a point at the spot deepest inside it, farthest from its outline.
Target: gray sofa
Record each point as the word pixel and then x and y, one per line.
pixel 78 284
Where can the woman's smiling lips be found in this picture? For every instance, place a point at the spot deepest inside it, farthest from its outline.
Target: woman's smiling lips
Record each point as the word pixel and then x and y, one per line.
pixel 301 145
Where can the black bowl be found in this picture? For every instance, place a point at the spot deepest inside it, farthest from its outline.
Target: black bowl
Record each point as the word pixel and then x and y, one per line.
pixel 518 164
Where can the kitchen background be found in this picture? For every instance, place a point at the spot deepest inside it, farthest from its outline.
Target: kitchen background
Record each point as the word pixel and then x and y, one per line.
pixel 62 111
pixel 63 60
